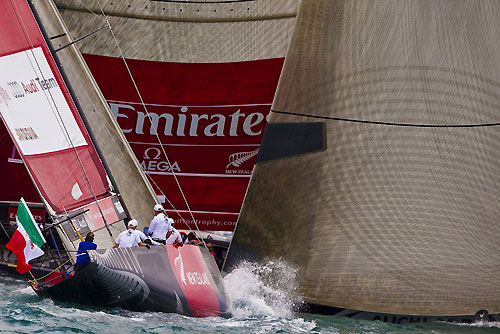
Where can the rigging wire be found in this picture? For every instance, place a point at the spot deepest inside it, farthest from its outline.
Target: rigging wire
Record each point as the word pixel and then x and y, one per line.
pixel 56 112
pixel 78 39
pixel 170 203
pixel 352 120
pixel 149 117
pixel 87 8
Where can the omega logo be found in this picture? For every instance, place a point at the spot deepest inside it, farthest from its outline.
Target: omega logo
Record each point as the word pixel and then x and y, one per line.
pixel 151 162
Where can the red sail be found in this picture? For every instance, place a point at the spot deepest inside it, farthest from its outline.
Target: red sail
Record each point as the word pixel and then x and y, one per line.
pixel 210 118
pixel 41 116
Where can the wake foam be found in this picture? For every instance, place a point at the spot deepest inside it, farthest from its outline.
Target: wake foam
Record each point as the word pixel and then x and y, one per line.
pixel 268 289
pixel 26 291
pixel 486 324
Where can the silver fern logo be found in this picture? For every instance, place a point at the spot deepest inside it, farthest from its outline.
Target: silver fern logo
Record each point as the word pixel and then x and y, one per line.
pixel 236 159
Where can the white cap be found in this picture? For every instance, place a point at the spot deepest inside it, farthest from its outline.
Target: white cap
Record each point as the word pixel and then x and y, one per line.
pixel 133 223
pixel 158 208
pixel 171 221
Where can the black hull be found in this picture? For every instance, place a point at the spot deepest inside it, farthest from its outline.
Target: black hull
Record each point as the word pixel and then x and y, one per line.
pixel 139 279
pixel 481 315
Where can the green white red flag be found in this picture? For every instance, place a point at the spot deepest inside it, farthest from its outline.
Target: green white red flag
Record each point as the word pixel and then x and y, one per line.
pixel 27 240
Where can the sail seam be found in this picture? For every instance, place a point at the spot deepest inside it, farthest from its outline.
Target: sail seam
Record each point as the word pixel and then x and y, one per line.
pixel 189 20
pixel 353 120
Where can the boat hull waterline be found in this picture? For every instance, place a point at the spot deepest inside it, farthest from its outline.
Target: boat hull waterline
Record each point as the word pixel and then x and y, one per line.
pixel 183 280
pixel 401 319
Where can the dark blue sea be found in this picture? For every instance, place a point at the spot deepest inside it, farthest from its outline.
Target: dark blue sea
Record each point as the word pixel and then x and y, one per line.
pixel 260 303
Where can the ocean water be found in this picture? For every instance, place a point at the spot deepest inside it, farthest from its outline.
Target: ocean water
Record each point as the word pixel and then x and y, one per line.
pixel 260 300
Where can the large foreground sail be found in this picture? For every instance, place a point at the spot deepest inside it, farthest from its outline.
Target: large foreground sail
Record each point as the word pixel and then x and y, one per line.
pixel 378 174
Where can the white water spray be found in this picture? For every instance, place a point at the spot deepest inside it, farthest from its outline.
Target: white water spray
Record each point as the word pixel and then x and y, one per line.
pixel 268 289
pixel 486 324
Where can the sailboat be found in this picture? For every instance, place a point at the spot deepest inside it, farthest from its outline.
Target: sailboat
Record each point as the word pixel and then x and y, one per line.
pixel 87 177
pixel 378 172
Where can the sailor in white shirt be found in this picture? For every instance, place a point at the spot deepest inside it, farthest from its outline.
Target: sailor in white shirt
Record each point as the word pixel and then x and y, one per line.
pixel 130 237
pixel 146 239
pixel 175 238
pixel 160 228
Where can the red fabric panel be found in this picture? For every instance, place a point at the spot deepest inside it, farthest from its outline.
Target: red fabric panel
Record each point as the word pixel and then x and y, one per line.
pixel 235 91
pixel 207 193
pixel 187 83
pixel 57 173
pixel 38 214
pixel 209 221
pixel 16 182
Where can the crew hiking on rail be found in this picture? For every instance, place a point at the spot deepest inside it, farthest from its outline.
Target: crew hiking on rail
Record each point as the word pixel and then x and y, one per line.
pixel 160 228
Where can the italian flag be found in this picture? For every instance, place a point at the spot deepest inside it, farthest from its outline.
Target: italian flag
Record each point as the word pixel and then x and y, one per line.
pixel 27 240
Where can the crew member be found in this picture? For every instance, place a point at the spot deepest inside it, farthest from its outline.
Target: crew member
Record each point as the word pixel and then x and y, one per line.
pixel 160 228
pixel 129 238
pixel 175 238
pixel 210 247
pixel 193 239
pixel 184 237
pixel 82 258
pixel 146 239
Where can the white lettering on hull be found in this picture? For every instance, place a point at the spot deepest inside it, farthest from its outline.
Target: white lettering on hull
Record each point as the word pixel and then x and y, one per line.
pixel 196 278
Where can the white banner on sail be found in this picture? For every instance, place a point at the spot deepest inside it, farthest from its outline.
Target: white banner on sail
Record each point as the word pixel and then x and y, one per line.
pixel 34 107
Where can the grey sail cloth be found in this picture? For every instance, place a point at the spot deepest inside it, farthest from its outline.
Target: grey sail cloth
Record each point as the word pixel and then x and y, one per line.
pixel 135 191
pixel 190 32
pixel 385 218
